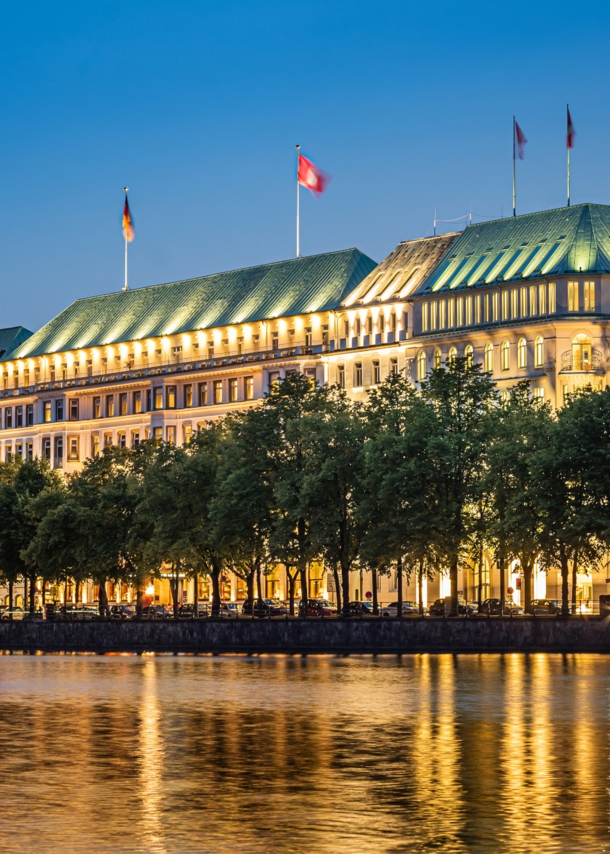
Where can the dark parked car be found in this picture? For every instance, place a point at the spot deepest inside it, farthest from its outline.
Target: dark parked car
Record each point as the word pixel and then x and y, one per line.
pixel 264 608
pixel 438 607
pixel 155 612
pixel 492 608
pixel 409 609
pixel 544 607
pixel 187 612
pixel 121 612
pixel 318 608
pixel 361 609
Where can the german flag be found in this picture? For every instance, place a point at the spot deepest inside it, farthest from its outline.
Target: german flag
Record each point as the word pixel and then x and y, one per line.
pixel 129 231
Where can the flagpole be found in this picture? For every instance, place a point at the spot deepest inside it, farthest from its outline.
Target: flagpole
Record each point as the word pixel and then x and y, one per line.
pixel 298 255
pixel 514 171
pixel 569 147
pixel 126 285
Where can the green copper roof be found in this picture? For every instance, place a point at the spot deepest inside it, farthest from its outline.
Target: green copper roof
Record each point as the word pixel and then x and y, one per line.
pixel 549 243
pixel 12 337
pixel 299 286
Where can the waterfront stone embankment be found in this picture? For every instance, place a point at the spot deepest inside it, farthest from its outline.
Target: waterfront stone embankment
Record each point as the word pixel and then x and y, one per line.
pixel 293 636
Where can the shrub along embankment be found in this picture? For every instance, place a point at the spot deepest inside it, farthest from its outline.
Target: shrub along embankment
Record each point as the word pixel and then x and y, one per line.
pixel 321 636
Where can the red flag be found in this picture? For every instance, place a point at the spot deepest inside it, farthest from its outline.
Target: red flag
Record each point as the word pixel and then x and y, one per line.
pixel 571 132
pixel 311 176
pixel 521 141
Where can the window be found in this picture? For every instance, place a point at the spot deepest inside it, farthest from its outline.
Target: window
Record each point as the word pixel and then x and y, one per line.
pixel 123 404
pixel 19 416
pixel 393 366
pixel 59 410
pixel 309 336
pixel 581 352
pixel 505 356
pixel 135 439
pixel 249 388
pixel 19 450
pixel 211 350
pixel 188 395
pixel 325 336
pixel 487 308
pixel 203 394
pixel 358 375
pixel 74 409
pixel 95 444
pixel 442 314
pixel 8 417
pixel 109 405
pixel 496 307
pixel 533 293
pixel 137 402
pixel 187 433
pixel 341 375
pixel 73 448
pixel 469 354
pixel 522 353
pixel 107 440
pixel 539 394
pixel 170 434
pixel 29 414
pixel 59 452
pixel 421 366
pixel 393 322
pixel 424 317
pixel 523 302
pixel 460 311
pixel 275 341
pixel 565 392
pixel 468 311
pixel 376 372
pixel 121 440
pixel 589 296
pixel 514 294
pixel 478 301
pixel 46 448
pixel 433 315
pixel 451 313
pixel 171 396
pixel 542 299
pixel 505 314
pixel 552 298
pixel 572 296
pixel 538 351
pixel 158 434
pixel 381 323
pixel 438 360
pixel 218 388
pixel 346 328
pixel 29 450
pixel 233 390
pixel 97 408
pixel 489 357
pixel 452 354
pixel 158 397
pixel 8 452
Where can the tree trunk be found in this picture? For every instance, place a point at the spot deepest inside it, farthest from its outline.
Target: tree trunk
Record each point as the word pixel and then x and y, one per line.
pixel 502 584
pixel 375 599
pixel 103 597
pixel 33 594
pixel 399 587
pixel 337 588
pixel 291 579
pixel 527 583
pixel 565 574
pixel 250 588
pixel 420 587
pixel 25 593
pixel 139 595
pixel 304 591
pixel 10 599
pixel 195 595
pixel 345 612
pixel 574 581
pixel 453 578
pixel 174 588
pixel 259 584
pixel 480 596
pixel 215 573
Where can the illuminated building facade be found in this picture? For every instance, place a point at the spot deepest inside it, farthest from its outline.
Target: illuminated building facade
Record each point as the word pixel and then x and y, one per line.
pixel 528 297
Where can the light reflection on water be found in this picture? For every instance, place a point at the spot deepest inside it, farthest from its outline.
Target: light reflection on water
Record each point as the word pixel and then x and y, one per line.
pixel 173 754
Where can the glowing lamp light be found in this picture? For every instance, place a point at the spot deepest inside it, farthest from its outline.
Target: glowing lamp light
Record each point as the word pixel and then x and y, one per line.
pixel 315 322
pixel 150 589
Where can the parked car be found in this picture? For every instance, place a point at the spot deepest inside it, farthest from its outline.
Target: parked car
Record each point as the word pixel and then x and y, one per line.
pixel 319 608
pixel 361 609
pixel 12 614
pixel 37 615
pixel 439 606
pixel 229 610
pixel 474 606
pixel 409 609
pixel 264 608
pixel 544 607
pixel 155 612
pixel 122 612
pixel 187 611
pixel 492 608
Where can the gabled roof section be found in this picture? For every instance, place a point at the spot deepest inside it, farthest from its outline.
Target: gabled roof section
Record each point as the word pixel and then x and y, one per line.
pixel 549 243
pixel 298 286
pixel 12 337
pixel 401 271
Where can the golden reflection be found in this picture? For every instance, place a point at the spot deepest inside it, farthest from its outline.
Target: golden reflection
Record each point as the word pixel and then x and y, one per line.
pixel 151 759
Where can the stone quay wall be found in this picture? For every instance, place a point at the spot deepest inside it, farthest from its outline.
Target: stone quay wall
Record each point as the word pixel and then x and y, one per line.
pixel 312 636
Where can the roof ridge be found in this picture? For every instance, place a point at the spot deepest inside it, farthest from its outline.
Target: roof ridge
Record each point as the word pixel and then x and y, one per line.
pixel 533 213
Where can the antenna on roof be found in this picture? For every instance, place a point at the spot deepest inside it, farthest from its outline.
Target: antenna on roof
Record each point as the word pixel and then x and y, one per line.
pixel 435 222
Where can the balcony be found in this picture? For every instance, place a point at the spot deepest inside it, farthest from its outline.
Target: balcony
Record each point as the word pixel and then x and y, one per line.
pixel 582 361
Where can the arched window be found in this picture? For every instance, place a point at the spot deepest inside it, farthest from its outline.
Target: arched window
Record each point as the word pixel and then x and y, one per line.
pixel 538 351
pixel 489 357
pixel 438 360
pixel 581 352
pixel 522 353
pixel 469 354
pixel 505 356
pixel 421 366
pixel 452 354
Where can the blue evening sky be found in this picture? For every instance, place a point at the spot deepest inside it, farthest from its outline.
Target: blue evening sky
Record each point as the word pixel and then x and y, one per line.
pixel 197 106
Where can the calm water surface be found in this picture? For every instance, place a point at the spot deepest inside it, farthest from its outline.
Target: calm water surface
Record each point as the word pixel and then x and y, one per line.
pixel 230 754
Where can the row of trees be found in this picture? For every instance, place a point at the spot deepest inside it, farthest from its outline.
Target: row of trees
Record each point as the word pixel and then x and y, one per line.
pixel 414 481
